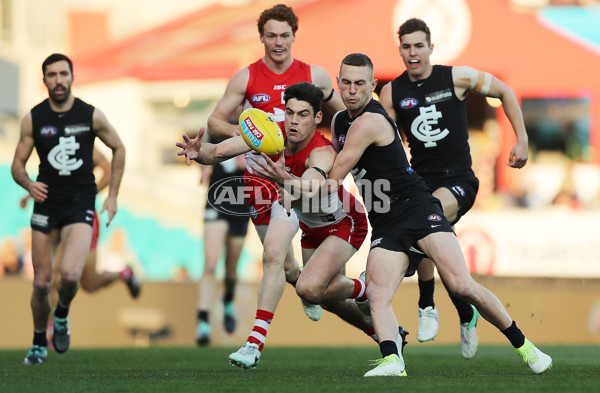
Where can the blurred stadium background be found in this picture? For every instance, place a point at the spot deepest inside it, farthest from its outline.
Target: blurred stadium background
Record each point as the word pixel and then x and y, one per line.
pixel 157 68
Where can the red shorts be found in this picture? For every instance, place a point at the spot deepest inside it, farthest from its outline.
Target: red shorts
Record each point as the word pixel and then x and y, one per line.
pixel 260 195
pixel 350 229
pixel 95 231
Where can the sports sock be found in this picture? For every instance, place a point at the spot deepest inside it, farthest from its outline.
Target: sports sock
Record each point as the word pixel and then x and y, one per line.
pixel 387 348
pixel 465 311
pixel 360 290
pixel 371 333
pixel 514 335
pixel 39 338
pixel 229 290
pixel 61 311
pixel 203 315
pixel 426 293
pixel 259 331
pixel 126 274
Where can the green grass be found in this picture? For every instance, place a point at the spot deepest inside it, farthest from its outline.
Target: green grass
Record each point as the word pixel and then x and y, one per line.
pixel 431 368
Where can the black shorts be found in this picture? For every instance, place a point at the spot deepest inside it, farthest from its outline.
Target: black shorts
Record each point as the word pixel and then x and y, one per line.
pixel 237 225
pixel 464 187
pixel 49 216
pixel 409 221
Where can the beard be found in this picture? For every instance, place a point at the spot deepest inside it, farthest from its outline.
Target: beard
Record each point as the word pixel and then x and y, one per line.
pixel 59 97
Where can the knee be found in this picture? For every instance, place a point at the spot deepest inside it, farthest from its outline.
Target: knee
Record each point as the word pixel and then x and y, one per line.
pixel 41 290
pixel 271 256
pixel 69 284
pixel 461 289
pixel 379 296
pixel 308 292
pixel 86 286
pixel 209 269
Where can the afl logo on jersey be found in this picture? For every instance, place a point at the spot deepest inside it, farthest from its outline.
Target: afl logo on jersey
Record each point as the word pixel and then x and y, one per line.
pixel 342 139
pixel 260 98
pixel 48 131
pixel 408 103
pixel 434 218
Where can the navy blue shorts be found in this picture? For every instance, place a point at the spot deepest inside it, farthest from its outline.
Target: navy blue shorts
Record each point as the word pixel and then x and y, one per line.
pixel 464 187
pixel 49 216
pixel 409 221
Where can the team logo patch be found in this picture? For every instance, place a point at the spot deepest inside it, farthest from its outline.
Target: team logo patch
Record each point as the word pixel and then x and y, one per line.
pixel 459 190
pixel 434 218
pixel 39 220
pixel 48 131
pixel 438 96
pixel 376 242
pixel 408 103
pixel 76 129
pixel 260 98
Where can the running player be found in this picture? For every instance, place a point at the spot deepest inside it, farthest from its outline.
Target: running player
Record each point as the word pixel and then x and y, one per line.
pixel 429 103
pixel 63 129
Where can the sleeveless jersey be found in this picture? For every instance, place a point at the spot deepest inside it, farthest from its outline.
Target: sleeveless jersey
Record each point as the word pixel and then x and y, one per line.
pixel 328 211
pixel 382 173
pixel 265 91
pixel 434 122
pixel 64 143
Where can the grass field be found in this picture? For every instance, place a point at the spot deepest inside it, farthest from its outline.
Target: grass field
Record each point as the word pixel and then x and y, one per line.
pixel 431 368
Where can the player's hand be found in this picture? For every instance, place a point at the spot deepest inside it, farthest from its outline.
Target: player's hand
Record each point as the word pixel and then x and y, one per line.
pixel 110 205
pixel 518 155
pixel 23 201
pixel 267 168
pixel 191 147
pixel 38 191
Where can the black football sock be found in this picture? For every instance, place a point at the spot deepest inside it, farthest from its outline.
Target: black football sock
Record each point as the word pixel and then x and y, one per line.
pixel 465 311
pixel 426 289
pixel 514 335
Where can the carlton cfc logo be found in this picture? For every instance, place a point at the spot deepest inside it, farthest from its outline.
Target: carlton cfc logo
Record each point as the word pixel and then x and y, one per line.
pixel 260 98
pixel 408 103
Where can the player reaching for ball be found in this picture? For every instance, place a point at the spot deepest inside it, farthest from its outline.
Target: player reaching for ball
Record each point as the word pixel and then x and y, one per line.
pixel 261 85
pixel 331 234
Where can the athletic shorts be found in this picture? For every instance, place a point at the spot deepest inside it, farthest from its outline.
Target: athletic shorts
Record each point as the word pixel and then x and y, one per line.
pixel 236 225
pixel 352 230
pixel 95 231
pixel 260 196
pixel 464 187
pixel 276 211
pixel 47 217
pixel 408 221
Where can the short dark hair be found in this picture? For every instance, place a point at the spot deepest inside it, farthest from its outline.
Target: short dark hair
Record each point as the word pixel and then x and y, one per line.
pixel 412 25
pixel 304 91
pixel 281 13
pixel 53 58
pixel 358 60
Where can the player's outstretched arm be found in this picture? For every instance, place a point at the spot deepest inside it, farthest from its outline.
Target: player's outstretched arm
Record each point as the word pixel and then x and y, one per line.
pixel 210 153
